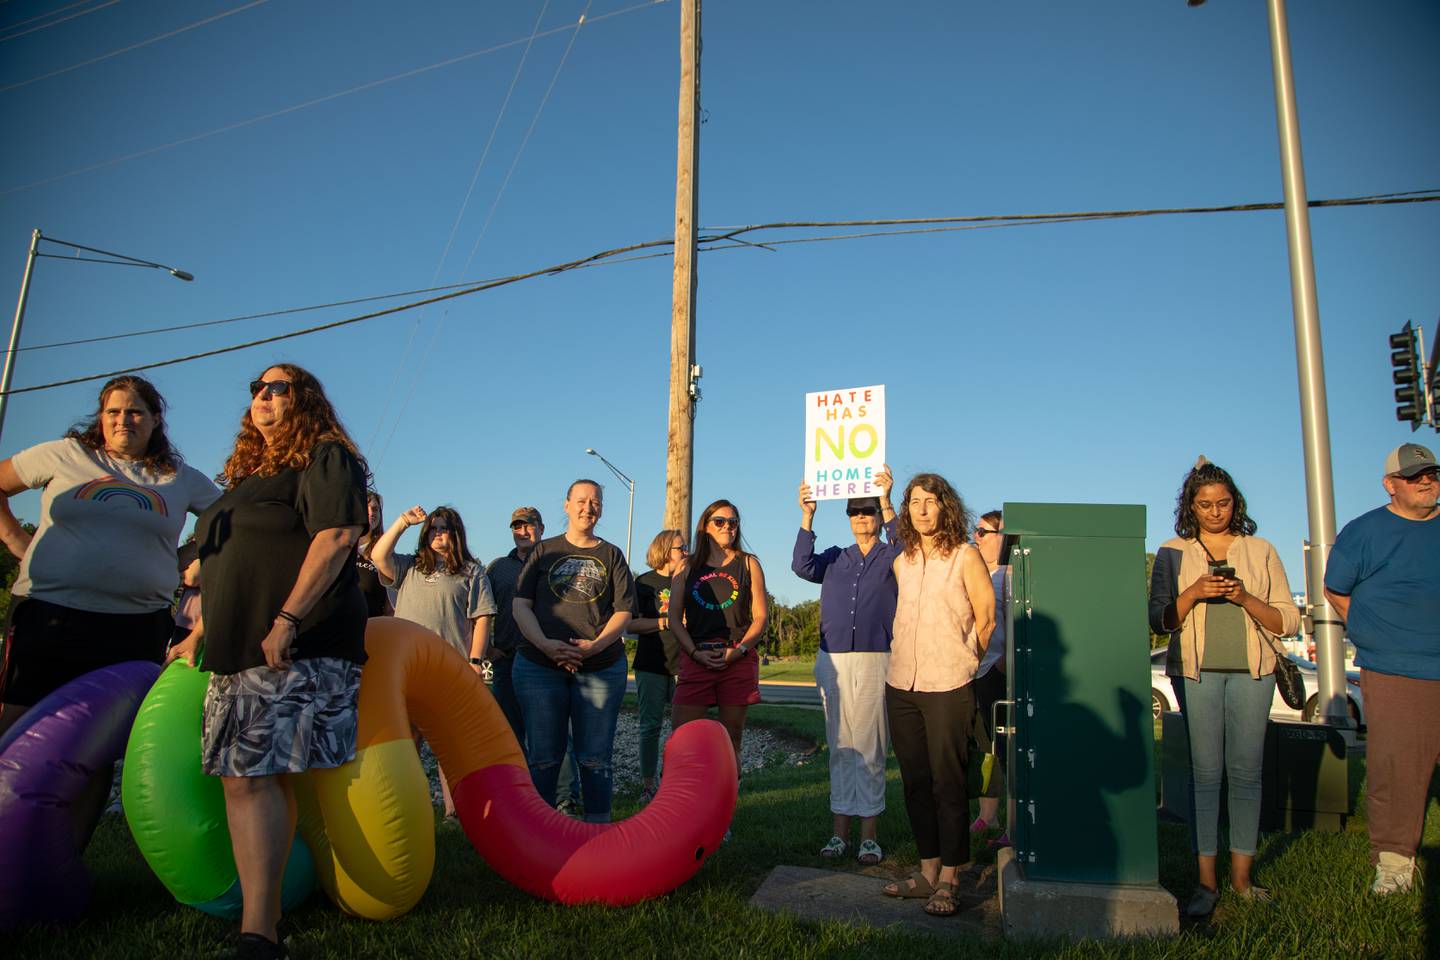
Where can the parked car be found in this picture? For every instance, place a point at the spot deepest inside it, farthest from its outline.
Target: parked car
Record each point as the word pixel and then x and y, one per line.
pixel 1162 694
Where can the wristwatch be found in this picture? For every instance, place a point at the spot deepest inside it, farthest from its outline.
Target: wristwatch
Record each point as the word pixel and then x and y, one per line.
pixel 476 660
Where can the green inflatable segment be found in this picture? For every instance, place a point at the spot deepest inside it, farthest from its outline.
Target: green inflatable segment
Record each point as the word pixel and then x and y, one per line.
pixel 177 814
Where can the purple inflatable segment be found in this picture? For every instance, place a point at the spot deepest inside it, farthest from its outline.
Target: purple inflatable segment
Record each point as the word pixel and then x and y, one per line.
pixel 46 759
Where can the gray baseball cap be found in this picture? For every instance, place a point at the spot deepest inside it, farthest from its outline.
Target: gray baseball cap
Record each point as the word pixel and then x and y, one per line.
pixel 1408 459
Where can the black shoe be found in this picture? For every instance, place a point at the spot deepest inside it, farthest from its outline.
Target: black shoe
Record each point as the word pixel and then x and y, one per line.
pixel 253 946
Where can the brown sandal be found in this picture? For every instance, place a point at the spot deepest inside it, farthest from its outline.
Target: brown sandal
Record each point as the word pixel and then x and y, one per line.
pixel 915 888
pixel 942 901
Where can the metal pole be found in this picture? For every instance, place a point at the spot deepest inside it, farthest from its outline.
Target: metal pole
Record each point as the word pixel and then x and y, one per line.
pixel 1314 414
pixel 680 451
pixel 630 527
pixel 15 327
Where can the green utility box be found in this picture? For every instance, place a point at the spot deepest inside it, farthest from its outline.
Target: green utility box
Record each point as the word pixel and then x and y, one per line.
pixel 1305 784
pixel 1081 758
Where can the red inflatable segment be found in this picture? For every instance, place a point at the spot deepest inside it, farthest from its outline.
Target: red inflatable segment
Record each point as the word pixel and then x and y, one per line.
pixel 547 854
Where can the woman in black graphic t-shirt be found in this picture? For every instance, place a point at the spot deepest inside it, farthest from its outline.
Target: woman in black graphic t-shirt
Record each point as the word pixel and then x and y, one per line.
pixel 724 616
pixel 377 598
pixel 573 600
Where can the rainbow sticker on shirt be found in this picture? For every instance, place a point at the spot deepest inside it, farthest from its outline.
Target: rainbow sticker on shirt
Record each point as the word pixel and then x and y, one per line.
pixel 663 595
pixel 723 604
pixel 108 488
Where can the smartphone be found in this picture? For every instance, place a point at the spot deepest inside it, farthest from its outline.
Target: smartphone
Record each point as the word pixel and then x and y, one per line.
pixel 1222 570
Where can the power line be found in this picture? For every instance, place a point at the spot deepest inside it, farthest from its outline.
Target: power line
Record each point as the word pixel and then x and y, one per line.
pixel 494 205
pixel 316 101
pixel 135 46
pixel 454 228
pixel 54 23
pixel 731 242
pixel 726 233
pixel 43 16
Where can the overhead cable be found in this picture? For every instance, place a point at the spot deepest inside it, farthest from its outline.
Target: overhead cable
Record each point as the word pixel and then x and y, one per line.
pixel 134 46
pixel 729 239
pixel 316 101
pixel 54 23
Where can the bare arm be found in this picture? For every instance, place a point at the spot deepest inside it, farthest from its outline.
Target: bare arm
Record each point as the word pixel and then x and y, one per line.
pixel 16 540
pixel 982 596
pixel 329 551
pixel 613 630
pixel 186 648
pixel 677 612
pixel 480 638
pixel 383 553
pixel 1340 603
pixel 759 606
pixel 523 610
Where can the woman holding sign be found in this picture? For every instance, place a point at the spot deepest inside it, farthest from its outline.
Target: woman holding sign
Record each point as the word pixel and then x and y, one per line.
pixel 857 614
pixel 929 691
pixel 719 624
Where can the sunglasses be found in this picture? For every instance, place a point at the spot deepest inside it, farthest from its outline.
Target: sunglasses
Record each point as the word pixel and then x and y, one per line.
pixel 723 522
pixel 683 551
pixel 439 528
pixel 277 388
pixel 984 532
pixel 521 523
pixel 860 511
pixel 1431 474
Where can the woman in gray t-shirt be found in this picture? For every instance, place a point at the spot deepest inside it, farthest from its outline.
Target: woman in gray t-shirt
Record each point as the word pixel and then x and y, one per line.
pixel 97 575
pixel 440 587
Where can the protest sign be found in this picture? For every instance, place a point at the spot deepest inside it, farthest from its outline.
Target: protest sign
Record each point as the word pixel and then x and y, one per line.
pixel 844 442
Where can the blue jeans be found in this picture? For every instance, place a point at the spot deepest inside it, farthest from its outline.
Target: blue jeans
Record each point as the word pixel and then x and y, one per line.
pixel 503 687
pixel 652 692
pixel 1225 716
pixel 557 702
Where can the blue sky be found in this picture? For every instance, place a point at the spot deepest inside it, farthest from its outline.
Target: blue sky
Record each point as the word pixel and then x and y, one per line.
pixel 1081 362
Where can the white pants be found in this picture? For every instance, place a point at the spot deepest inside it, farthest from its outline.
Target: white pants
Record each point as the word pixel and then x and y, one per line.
pixel 852 691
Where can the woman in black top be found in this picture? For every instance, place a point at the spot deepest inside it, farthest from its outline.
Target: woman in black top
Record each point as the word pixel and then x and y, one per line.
pixel 655 649
pixel 719 624
pixel 377 598
pixel 282 625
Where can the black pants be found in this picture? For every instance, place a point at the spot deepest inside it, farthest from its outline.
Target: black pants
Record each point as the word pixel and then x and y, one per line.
pixel 49 645
pixel 989 689
pixel 930 734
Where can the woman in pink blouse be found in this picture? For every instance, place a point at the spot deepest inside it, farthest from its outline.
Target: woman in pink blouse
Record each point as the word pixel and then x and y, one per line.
pixel 943 619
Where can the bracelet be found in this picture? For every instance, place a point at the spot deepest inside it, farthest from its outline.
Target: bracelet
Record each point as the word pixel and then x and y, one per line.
pixel 288 617
pixel 476 660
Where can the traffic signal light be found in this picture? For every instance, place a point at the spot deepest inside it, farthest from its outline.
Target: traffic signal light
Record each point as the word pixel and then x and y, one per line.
pixel 1406 363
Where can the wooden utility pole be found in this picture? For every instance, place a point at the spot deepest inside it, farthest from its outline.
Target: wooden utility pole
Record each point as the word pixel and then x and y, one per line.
pixel 684 391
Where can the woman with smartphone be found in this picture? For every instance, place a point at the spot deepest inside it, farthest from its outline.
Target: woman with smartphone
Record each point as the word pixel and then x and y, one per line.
pixel 719 624
pixel 1221 594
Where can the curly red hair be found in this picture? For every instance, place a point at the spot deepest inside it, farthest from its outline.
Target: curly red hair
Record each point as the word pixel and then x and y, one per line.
pixel 312 420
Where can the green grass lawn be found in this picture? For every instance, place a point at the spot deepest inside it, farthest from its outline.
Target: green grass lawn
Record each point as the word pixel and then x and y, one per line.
pixel 1320 880
pixel 793 670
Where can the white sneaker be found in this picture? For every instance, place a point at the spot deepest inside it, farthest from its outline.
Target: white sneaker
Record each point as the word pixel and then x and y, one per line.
pixel 1393 874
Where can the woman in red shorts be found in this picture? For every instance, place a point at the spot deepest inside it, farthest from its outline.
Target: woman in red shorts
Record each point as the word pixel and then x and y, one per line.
pixel 719 625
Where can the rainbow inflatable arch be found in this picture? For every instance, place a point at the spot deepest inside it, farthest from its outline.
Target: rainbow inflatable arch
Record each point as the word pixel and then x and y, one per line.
pixel 366 829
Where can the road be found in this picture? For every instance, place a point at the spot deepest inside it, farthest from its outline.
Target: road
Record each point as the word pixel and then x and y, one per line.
pixel 777 691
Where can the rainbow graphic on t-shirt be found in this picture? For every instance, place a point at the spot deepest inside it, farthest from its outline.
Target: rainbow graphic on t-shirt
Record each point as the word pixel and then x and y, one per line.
pixel 712 575
pixel 117 488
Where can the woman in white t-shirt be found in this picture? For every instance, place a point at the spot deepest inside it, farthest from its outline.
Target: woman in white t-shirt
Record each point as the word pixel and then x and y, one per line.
pixel 97 575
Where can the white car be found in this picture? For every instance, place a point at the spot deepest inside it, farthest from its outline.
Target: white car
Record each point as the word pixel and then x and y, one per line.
pixel 1162 694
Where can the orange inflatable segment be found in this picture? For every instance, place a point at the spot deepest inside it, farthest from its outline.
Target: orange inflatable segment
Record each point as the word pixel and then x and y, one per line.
pixel 429 684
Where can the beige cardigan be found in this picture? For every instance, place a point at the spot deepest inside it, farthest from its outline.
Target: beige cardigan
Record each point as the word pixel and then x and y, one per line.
pixel 1258 567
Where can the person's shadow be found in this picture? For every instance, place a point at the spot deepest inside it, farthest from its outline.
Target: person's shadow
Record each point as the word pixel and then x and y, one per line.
pixel 1092 780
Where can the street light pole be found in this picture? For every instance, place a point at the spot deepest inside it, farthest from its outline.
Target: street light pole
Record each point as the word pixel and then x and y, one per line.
pixel 630 523
pixel 1310 363
pixel 15 327
pixel 115 259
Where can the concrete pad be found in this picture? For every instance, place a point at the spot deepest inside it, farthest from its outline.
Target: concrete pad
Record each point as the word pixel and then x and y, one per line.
pixel 1031 908
pixel 817 894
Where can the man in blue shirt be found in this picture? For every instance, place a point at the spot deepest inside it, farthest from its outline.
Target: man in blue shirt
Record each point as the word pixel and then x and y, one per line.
pixel 1383 577
pixel 857 612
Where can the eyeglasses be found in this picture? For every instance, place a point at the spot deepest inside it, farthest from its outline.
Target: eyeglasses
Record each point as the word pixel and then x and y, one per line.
pixel 860 511
pixel 277 388
pixel 723 522
pixel 683 551
pixel 516 525
pixel 983 532
pixel 1431 474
